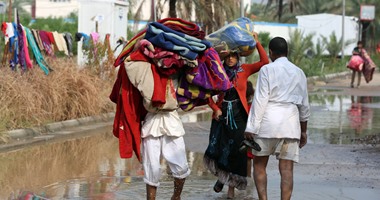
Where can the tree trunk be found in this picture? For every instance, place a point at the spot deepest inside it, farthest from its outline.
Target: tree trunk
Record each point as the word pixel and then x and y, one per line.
pixel 280 6
pixel 208 20
pixel 172 8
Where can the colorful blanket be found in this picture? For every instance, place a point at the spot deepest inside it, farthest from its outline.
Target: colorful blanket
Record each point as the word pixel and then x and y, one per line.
pixel 369 66
pixel 188 46
pixel 173 23
pixel 210 73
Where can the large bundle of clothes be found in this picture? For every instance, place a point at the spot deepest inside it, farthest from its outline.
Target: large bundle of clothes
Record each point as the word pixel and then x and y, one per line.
pixel 166 66
pixel 234 37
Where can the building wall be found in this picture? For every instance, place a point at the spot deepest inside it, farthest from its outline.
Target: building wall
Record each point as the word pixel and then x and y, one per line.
pixel 275 29
pixel 325 24
pixel 53 8
pixel 111 17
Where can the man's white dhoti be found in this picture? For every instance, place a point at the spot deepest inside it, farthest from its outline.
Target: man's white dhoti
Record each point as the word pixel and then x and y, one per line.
pixel 163 137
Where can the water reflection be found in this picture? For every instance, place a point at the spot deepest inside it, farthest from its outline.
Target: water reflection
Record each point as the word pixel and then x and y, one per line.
pixel 49 166
pixel 335 119
pixel 91 168
pixel 338 119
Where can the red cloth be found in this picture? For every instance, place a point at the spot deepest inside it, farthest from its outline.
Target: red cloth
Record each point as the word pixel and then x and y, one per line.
pixel 183 26
pixel 129 114
pixel 51 37
pixel 356 63
pixel 250 154
pixel 158 98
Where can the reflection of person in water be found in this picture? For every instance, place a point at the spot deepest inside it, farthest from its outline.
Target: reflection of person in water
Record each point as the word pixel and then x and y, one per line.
pixel 360 116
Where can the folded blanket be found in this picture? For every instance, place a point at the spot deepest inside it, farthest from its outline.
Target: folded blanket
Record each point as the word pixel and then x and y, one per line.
pixel 188 46
pixel 183 26
pixel 173 23
pixel 210 73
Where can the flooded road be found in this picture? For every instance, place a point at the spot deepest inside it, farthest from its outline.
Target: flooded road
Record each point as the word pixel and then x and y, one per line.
pixel 332 166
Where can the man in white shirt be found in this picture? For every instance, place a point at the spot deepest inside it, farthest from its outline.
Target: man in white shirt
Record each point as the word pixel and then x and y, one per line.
pixel 278 117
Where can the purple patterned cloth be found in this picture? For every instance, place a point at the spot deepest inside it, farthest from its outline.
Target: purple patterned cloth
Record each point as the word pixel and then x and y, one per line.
pixel 210 73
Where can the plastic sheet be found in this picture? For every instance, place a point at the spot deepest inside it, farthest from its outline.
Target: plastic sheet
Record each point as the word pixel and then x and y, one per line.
pixel 234 37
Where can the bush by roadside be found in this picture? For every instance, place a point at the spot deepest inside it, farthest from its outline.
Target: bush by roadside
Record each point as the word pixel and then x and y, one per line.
pixel 32 99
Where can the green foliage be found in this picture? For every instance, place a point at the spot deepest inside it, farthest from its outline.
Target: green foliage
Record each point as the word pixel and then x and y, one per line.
pixel 61 25
pixel 333 45
pixel 298 45
pixel 100 59
pixel 264 38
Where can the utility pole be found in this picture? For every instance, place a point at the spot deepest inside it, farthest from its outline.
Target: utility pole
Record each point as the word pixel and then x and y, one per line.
pixel 241 8
pixel 10 11
pixel 154 17
pixel 242 59
pixel 343 19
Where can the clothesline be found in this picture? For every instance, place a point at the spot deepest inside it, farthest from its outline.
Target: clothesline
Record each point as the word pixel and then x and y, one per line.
pixel 40 42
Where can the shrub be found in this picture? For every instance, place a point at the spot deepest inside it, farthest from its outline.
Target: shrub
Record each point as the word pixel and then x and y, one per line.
pixel 32 98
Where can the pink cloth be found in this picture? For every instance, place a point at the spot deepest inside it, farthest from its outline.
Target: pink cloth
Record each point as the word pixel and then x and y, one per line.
pixel 355 63
pixel 29 63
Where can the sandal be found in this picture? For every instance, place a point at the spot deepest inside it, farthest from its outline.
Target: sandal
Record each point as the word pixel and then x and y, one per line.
pixel 218 187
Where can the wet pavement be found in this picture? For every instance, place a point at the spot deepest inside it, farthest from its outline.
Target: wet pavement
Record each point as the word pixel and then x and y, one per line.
pixel 341 161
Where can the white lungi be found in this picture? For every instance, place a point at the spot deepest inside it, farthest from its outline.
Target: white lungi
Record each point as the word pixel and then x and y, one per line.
pixel 163 137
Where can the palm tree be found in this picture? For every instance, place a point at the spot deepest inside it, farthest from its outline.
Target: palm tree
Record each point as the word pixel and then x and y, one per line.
pixel 298 45
pixel 287 6
pixel 333 45
pixel 320 6
pixel 211 14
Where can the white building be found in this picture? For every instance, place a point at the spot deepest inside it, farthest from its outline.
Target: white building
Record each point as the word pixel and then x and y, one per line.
pixel 275 29
pixel 327 24
pixel 103 17
pixel 53 8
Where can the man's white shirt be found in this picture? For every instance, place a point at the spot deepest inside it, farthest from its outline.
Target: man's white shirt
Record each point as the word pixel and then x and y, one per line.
pixel 280 101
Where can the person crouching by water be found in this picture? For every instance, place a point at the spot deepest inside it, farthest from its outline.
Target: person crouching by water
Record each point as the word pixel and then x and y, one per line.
pixel 230 113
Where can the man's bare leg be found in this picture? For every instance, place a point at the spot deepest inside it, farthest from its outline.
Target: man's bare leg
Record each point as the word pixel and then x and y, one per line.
pixel 231 192
pixel 260 175
pixel 151 192
pixel 178 186
pixel 249 167
pixel 286 171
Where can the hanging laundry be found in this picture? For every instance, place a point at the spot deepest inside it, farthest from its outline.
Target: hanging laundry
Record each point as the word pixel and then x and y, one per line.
pixel 20 37
pixel 69 43
pixel 37 54
pixel 60 42
pixel 28 62
pixel 44 35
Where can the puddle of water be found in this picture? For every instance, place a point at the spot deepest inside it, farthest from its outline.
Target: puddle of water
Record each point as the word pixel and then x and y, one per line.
pixel 337 119
pixel 90 167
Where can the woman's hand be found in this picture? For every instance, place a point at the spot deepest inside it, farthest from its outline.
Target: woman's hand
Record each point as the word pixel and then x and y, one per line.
pixel 255 36
pixel 217 114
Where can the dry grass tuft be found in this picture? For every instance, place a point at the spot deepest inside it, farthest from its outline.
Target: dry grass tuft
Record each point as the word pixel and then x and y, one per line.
pixel 32 98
